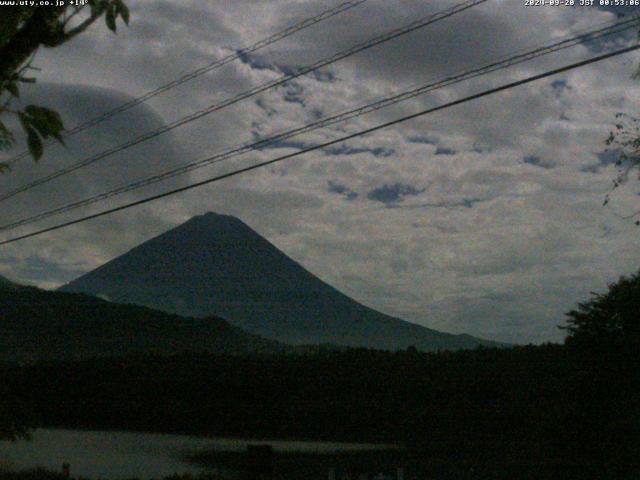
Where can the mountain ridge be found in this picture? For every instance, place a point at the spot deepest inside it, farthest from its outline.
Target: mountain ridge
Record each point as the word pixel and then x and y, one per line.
pixel 38 324
pixel 216 264
pixel 6 283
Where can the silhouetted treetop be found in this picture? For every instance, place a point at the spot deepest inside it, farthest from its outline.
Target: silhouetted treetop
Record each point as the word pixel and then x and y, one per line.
pixel 612 317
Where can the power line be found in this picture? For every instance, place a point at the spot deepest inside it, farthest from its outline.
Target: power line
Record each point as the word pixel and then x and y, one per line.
pixel 329 143
pixel 590 35
pixel 390 35
pixel 276 37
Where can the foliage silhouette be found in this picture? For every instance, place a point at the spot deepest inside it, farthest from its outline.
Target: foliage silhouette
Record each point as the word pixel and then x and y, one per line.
pixel 539 407
pixel 23 30
pixel 611 319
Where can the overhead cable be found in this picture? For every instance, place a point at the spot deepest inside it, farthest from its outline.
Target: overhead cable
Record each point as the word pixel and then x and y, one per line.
pixel 331 120
pixel 390 35
pixel 405 118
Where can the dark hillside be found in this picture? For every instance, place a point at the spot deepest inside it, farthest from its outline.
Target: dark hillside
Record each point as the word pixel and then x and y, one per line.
pixel 38 324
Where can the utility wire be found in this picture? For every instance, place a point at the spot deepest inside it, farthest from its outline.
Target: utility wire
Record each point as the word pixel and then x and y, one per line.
pixel 390 35
pixel 276 37
pixel 329 143
pixel 337 118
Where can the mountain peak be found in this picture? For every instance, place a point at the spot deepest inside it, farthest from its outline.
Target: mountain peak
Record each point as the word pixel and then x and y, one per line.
pixel 217 217
pixel 213 221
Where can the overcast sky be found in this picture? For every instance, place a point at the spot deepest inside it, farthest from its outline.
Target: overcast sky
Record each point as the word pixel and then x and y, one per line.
pixel 485 218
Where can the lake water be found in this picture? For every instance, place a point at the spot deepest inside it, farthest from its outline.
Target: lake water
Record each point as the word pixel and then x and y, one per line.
pixel 118 455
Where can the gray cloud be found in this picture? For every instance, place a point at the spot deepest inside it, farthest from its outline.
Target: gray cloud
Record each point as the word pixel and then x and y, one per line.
pixel 445 151
pixel 537 161
pixel 394 193
pixel 340 189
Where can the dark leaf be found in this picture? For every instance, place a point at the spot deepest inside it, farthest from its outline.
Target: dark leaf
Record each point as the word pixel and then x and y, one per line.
pixel 110 17
pixel 34 143
pixel 95 6
pixel 37 123
pixel 123 10
pixel 46 121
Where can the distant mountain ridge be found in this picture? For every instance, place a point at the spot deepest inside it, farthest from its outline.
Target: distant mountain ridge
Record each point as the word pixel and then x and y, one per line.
pixel 38 324
pixel 216 265
pixel 6 283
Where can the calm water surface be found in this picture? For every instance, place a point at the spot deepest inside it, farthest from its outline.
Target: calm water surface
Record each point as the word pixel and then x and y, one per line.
pixel 117 455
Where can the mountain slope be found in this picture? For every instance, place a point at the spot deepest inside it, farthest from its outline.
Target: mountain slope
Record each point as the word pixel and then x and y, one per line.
pixel 39 324
pixel 6 283
pixel 215 264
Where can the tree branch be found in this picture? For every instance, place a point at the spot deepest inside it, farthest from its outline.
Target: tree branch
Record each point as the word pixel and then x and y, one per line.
pixel 38 30
pixel 76 11
pixel 97 12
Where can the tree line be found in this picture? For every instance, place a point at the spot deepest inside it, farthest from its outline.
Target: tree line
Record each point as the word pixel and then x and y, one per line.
pixel 575 404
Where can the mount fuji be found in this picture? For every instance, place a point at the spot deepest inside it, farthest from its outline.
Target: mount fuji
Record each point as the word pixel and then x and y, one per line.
pixel 217 265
